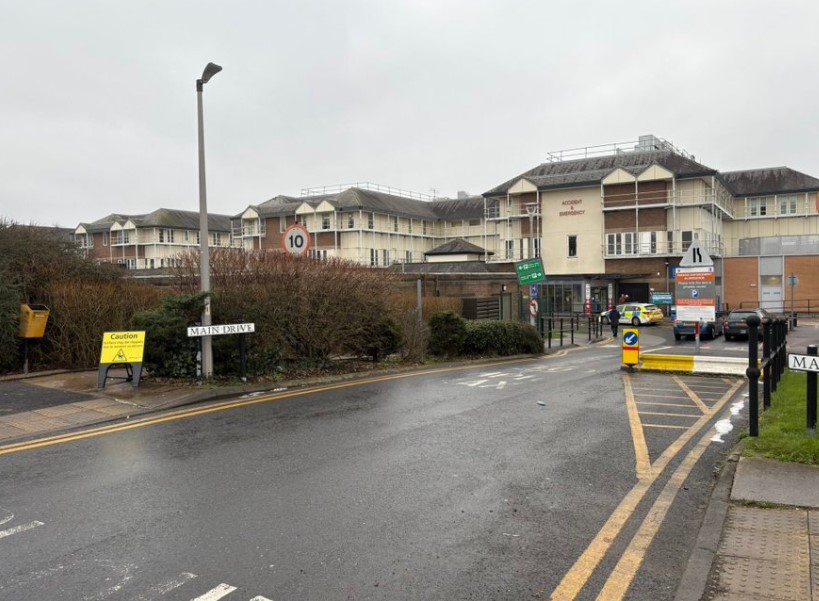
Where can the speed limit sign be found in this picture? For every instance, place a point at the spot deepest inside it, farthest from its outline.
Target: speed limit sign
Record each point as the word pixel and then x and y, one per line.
pixel 296 240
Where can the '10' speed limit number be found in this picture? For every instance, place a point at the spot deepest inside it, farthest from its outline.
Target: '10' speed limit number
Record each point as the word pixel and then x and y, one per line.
pixel 296 240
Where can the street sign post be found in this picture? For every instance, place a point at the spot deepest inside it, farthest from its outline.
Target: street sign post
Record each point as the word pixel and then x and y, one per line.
pixel 296 240
pixel 530 271
pixel 228 328
pixel 232 328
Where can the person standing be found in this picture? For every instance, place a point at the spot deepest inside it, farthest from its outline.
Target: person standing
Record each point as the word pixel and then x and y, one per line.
pixel 614 320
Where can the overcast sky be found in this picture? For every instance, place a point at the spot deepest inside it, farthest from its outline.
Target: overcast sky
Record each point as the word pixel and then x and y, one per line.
pixel 98 98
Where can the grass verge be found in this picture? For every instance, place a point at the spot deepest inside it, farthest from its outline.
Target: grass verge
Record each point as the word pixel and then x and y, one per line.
pixel 782 428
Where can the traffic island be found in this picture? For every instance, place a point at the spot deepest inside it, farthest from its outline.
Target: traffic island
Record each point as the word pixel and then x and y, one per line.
pixel 711 365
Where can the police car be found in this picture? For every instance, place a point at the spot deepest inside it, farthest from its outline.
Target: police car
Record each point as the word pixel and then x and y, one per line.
pixel 636 314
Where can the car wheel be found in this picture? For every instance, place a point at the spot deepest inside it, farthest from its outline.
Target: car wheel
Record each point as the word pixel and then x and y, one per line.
pixel 677 336
pixel 635 321
pixel 728 337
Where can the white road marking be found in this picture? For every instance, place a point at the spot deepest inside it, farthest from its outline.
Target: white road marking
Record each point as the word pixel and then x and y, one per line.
pixel 166 587
pixel 523 378
pixel 216 593
pixel 124 577
pixel 259 598
pixel 7 517
pixel 473 384
pixel 501 385
pixel 724 426
pixel 21 528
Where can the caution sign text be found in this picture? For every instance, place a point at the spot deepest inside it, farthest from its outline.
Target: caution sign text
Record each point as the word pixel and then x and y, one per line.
pixel 122 347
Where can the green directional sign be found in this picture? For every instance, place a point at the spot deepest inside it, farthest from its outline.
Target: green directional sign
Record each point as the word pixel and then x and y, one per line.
pixel 530 271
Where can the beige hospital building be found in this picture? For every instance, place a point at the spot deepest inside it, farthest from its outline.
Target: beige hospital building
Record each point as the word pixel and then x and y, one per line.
pixel 606 220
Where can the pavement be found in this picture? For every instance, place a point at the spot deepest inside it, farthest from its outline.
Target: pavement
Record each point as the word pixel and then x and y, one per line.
pixel 759 539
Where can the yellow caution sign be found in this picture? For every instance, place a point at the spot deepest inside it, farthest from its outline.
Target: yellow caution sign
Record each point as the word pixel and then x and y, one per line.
pixel 122 347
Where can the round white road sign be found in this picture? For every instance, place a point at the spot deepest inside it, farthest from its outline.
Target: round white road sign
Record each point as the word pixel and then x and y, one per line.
pixel 296 240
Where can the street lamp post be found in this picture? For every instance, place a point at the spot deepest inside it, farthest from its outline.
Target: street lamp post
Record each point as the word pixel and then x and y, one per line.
pixel 204 253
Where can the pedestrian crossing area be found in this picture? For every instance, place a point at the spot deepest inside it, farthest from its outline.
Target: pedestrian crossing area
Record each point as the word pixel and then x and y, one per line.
pixel 113 582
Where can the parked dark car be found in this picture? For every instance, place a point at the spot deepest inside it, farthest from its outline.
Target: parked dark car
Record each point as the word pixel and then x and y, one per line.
pixel 735 324
pixel 709 330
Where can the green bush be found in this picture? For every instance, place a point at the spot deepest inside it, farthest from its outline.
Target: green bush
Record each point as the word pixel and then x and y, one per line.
pixel 447 334
pixel 501 338
pixel 168 350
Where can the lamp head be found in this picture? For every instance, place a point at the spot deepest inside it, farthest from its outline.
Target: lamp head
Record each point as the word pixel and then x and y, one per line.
pixel 211 69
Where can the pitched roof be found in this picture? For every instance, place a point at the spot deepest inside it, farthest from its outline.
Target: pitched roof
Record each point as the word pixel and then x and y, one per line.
pixel 360 199
pixel 471 207
pixel 168 218
pixel 588 171
pixel 459 246
pixel 774 180
pixel 186 220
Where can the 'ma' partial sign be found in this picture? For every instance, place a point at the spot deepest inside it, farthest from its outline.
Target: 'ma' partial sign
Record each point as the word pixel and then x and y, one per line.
pixel 803 362
pixel 233 328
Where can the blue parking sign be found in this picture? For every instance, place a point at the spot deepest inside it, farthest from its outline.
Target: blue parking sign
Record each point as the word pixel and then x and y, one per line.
pixel 533 292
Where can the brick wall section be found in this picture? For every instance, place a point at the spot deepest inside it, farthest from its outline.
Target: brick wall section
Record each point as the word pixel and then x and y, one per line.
pixel 620 221
pixel 807 269
pixel 740 281
pixel 652 219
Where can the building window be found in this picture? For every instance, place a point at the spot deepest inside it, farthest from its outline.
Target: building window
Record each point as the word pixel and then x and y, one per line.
pixel 612 244
pixel 373 257
pixel 536 246
pixel 572 246
pixel 648 243
pixel 687 238
pixel 325 222
pixel 409 225
pixel 370 221
pixel 282 224
pixel 350 221
pixel 455 224
pixel 216 239
pixel 395 224
pixel 196 238
pixel 385 257
pixel 787 205
pixel 474 222
pixel 426 228
pixel 105 238
pixel 757 206
pixel 510 249
pixel 408 256
pixel 669 240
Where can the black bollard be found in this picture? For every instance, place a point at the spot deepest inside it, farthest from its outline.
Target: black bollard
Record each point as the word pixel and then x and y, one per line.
pixel 753 376
pixel 811 394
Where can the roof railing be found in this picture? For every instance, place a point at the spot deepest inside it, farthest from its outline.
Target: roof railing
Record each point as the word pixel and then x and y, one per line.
pixel 644 144
pixel 372 187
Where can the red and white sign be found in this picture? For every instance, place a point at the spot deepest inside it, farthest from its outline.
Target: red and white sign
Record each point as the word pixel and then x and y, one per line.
pixel 296 240
pixel 533 308
pixel 695 294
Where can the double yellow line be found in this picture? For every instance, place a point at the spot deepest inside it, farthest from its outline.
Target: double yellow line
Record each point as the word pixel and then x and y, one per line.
pixel 624 572
pixel 225 406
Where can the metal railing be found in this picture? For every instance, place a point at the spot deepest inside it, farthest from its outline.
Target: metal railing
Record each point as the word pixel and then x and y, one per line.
pixel 771 368
pixel 571 326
